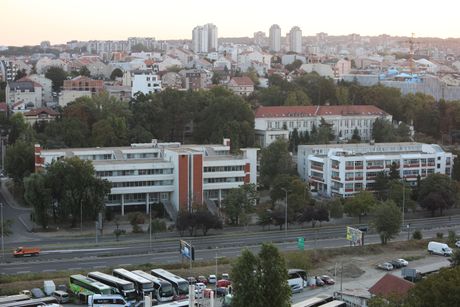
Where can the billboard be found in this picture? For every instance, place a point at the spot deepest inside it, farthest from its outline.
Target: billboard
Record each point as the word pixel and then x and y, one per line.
pixel 186 250
pixel 355 236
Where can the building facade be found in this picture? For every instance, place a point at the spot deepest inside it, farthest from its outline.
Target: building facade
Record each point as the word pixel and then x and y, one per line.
pixel 272 123
pixel 275 38
pixel 295 40
pixel 345 169
pixel 204 38
pixel 24 91
pixel 82 83
pixel 146 84
pixel 242 86
pixel 172 174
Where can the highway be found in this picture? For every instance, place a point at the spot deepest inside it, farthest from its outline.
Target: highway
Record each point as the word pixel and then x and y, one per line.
pixel 205 249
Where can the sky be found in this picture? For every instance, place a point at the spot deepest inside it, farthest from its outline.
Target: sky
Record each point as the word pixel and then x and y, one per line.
pixel 28 22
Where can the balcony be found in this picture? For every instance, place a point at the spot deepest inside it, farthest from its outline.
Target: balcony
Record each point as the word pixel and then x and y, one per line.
pixel 335 166
pixel 317 167
pixel 349 167
pixel 348 190
pixel 359 178
pixel 431 163
pixel 409 165
pixel 349 179
pixel 335 178
pixel 359 166
pixel 374 167
pixel 316 178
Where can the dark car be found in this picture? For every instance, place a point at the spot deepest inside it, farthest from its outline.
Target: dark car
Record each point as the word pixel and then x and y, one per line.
pixel 396 264
pixel 319 282
pixel 202 279
pixel 221 291
pixel 191 280
pixel 37 293
pixel 327 279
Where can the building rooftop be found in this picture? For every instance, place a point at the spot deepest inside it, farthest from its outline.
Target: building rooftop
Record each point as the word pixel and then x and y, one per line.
pixel 390 285
pixel 306 111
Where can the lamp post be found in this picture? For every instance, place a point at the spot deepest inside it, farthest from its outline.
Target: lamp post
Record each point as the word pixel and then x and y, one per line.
pixel 404 199
pixel 3 247
pixel 150 226
pixel 285 213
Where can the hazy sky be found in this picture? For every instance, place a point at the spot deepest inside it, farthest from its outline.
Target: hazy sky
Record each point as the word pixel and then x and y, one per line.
pixel 31 21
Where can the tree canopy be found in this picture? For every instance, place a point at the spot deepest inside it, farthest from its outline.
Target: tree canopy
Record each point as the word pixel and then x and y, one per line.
pixel 437 192
pixel 387 220
pixel 359 205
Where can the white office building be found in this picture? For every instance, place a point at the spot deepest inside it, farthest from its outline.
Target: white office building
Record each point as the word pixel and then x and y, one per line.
pixel 275 38
pixel 145 83
pixel 172 174
pixel 204 38
pixel 345 169
pixel 295 40
pixel 276 122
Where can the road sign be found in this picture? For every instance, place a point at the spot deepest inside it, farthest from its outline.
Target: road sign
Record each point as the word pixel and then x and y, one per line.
pixel 355 236
pixel 301 243
pixel 187 250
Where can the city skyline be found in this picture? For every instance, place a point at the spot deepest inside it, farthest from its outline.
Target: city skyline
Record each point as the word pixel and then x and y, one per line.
pixel 60 22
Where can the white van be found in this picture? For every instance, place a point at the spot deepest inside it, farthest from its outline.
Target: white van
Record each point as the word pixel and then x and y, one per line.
pixel 100 300
pixel 49 287
pixel 61 296
pixel 439 248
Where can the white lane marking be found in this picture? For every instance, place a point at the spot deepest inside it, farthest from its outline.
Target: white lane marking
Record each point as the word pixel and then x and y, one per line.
pixel 50 270
pixel 74 269
pixel 99 266
pixel 57 251
pixel 125 264
pixel 23 272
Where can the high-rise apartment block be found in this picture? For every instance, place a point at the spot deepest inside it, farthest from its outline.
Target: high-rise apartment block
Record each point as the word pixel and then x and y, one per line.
pixel 275 38
pixel 295 40
pixel 204 38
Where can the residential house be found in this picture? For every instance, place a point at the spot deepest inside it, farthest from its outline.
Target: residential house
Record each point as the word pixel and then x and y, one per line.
pixel 82 83
pixel 26 91
pixel 40 114
pixel 242 86
pixel 145 83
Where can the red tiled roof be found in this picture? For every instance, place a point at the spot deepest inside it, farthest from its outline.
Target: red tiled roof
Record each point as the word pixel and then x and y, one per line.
pixel 35 112
pixel 390 285
pixel 243 81
pixel 305 111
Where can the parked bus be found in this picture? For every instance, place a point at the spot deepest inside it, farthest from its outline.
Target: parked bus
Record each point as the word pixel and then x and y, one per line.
pixel 179 284
pixel 124 287
pixel 13 298
pixel 316 301
pixel 335 303
pixel 98 300
pixel 32 302
pixel 83 286
pixel 297 279
pixel 143 286
pixel 163 289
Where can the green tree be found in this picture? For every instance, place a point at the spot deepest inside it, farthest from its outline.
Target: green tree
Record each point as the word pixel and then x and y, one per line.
pixel 298 194
pixel 437 192
pixel 7 228
pixel 240 201
pixel 275 159
pixel 116 73
pixel 38 196
pixel 21 73
pixel 19 161
pixel 381 186
pixel 359 205
pixel 335 208
pixel 394 172
pixel 57 76
pixel 84 71
pixel 323 134
pixel 18 128
pixel 387 220
pixel 441 289
pixel 297 98
pixel 455 258
pixel 245 277
pixel 294 65
pixel 355 138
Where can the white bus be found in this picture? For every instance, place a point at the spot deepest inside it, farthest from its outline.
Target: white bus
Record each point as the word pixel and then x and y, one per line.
pixel 335 303
pixel 126 288
pixel 316 301
pixel 98 300
pixel 143 286
pixel 179 284
pixel 163 289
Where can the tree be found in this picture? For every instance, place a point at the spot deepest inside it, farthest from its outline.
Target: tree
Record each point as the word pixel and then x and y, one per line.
pixel 275 160
pixel 20 74
pixel 297 98
pixel 321 215
pixel 38 195
pixel 84 71
pixel 240 201
pixel 264 217
pixel 394 172
pixel 182 221
pixel 294 65
pixel 294 140
pixel 387 220
pixel 19 161
pixel 455 258
pixel 205 220
pixel 381 185
pixel 335 208
pixel 441 289
pixel 57 76
pixel 261 280
pixel 437 192
pixel 323 134
pixel 360 204
pixel 355 138
pixel 116 73
pixel 118 232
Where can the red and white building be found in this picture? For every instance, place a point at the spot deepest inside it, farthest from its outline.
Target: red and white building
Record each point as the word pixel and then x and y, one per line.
pixel 276 122
pixel 242 86
pixel 169 173
pixel 345 169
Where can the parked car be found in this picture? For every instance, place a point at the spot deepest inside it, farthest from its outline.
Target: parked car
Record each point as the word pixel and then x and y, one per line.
pixel 403 262
pixel 49 287
pixel 385 266
pixel 200 286
pixel 62 287
pixel 319 282
pixel 212 279
pixel 61 296
pixel 396 264
pixel 223 283
pixel 225 276
pixel 202 279
pixel 26 292
pixel 327 279
pixel 439 248
pixel 457 244
pixel 221 291
pixel 37 293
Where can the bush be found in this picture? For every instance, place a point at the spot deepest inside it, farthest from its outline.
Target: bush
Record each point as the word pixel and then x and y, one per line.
pixel 298 260
pixel 136 218
pixel 439 235
pixel 417 235
pixel 158 226
pixel 108 214
pixel 451 237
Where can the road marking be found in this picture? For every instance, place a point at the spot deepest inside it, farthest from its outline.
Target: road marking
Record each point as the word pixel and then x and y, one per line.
pixel 23 272
pixel 74 269
pixel 99 266
pixel 82 250
pixel 125 264
pixel 50 270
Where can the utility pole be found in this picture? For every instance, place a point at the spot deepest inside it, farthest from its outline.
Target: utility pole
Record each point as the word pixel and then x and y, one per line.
pixel 150 226
pixel 97 229
pixel 81 217
pixel 404 200
pixel 3 247
pixel 285 213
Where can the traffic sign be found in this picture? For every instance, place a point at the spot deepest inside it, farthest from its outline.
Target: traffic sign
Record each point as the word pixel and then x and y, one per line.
pixel 301 243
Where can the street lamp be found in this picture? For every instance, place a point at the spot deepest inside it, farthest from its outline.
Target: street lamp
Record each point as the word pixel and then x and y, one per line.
pixel 150 225
pixel 285 213
pixel 404 199
pixel 3 247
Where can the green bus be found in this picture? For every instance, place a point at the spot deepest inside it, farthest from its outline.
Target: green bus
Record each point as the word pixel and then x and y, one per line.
pixel 83 286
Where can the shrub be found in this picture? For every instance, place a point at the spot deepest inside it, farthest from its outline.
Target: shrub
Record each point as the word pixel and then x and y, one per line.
pixel 417 235
pixel 439 235
pixel 298 260
pixel 451 237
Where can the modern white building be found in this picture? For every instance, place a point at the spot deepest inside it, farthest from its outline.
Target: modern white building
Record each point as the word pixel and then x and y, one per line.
pixel 46 84
pixel 295 40
pixel 204 38
pixel 275 38
pixel 146 84
pixel 172 174
pixel 345 169
pixel 24 91
pixel 272 123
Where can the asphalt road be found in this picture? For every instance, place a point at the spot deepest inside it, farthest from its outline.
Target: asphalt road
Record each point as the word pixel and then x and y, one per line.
pixel 233 249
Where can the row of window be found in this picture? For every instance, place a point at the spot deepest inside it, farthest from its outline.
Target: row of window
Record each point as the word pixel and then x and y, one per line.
pixel 156 171
pixel 141 183
pixel 143 155
pixel 349 123
pixel 97 157
pixel 226 179
pixel 153 197
pixel 232 168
